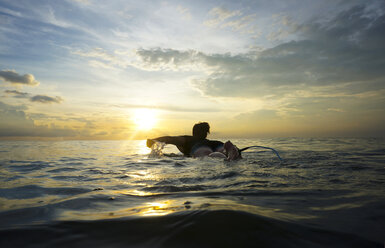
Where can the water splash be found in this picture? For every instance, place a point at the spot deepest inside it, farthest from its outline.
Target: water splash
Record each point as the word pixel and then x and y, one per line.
pixel 156 149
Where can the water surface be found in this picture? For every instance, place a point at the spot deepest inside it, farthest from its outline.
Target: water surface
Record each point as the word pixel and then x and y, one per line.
pixel 326 193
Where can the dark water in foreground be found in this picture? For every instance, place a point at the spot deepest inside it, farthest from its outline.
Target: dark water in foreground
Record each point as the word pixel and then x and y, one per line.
pixel 326 193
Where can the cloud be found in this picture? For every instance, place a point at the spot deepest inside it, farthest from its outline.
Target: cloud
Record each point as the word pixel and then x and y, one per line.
pixel 283 26
pixel 168 108
pixel 262 114
pixel 15 123
pixel 26 79
pixel 85 2
pixel 7 107
pixel 13 77
pixel 185 12
pixel 219 14
pixel 96 53
pixel 17 94
pixel 46 99
pixel 168 59
pixel 235 20
pixel 13 120
pixel 36 98
pixel 240 24
pixel 104 58
pixel 344 53
pixel 154 59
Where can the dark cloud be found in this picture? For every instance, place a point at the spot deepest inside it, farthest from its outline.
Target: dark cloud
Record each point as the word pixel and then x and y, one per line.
pixel 7 107
pixel 36 98
pixel 46 99
pixel 17 94
pixel 13 120
pixel 15 78
pixel 27 79
pixel 347 49
pixel 15 123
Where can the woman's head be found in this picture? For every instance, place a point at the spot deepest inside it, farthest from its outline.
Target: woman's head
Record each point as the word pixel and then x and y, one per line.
pixel 201 129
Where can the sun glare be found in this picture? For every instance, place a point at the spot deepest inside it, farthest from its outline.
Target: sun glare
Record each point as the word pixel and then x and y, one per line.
pixel 145 119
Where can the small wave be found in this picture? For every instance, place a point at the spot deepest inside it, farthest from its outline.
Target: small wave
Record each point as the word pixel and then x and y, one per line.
pixel 17 177
pixel 33 191
pixel 74 178
pixel 71 159
pixel 226 175
pixel 31 166
pixel 105 172
pixel 337 181
pixel 178 164
pixel 17 161
pixel 65 169
pixel 380 152
pixel 171 188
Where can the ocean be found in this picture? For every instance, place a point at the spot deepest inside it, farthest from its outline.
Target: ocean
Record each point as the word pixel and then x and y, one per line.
pixel 327 192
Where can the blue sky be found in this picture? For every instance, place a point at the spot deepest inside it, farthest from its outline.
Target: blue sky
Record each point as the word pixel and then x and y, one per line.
pixel 82 68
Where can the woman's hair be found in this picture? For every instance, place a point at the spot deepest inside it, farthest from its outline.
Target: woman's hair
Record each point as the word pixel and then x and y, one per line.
pixel 201 129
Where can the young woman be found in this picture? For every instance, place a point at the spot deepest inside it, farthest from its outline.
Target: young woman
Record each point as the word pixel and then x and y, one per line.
pixel 198 146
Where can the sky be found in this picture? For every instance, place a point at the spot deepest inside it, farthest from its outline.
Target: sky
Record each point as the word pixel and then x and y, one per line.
pixel 121 69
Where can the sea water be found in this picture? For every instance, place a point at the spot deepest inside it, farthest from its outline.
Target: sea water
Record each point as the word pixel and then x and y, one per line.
pixel 325 193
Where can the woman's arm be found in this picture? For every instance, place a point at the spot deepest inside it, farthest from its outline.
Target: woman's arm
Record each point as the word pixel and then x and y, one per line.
pixel 178 141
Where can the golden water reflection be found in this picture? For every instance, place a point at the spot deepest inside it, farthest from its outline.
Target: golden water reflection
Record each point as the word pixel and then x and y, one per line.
pixel 136 192
pixel 169 206
pixel 158 209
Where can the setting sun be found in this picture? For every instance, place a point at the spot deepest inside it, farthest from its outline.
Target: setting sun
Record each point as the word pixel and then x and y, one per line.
pixel 144 119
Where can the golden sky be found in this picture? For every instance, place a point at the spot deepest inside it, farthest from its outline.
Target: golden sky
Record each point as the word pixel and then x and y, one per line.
pixel 93 69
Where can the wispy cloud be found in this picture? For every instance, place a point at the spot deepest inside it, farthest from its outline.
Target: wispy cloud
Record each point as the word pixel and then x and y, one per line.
pixel 17 94
pixel 46 99
pixel 13 77
pixel 102 58
pixel 170 108
pixel 85 2
pixel 241 24
pixel 219 15
pixel 235 20
pixel 185 12
pixel 283 26
pixel 154 59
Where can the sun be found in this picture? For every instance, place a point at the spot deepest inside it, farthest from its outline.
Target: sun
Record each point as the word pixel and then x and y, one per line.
pixel 144 119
